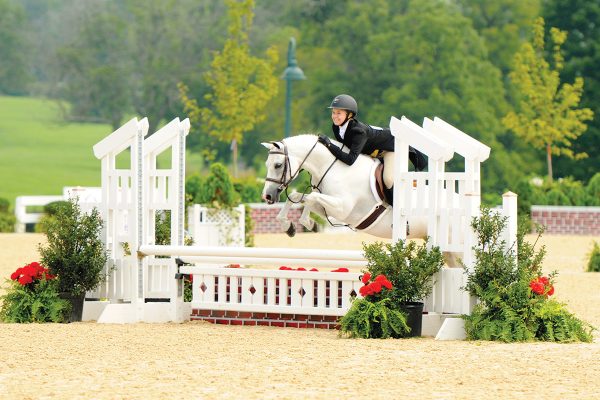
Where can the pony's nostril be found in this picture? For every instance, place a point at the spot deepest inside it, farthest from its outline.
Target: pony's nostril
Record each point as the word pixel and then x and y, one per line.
pixel 268 197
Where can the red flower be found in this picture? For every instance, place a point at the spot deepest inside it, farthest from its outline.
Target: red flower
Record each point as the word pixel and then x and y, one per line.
pixel 536 286
pixel 387 284
pixel 29 270
pixel 314 269
pixel 366 278
pixel 300 269
pixel 542 286
pixel 284 268
pixel 376 287
pixel 366 290
pixel 25 279
pixel 15 275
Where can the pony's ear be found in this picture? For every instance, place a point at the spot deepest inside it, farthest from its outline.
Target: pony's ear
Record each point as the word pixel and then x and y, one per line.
pixel 271 145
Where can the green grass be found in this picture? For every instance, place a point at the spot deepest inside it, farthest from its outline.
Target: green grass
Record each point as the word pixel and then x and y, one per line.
pixel 39 153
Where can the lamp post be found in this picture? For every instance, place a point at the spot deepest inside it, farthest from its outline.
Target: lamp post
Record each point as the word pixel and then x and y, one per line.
pixel 291 73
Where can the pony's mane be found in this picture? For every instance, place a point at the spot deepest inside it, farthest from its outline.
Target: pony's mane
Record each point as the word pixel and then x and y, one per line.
pixel 307 134
pixel 310 137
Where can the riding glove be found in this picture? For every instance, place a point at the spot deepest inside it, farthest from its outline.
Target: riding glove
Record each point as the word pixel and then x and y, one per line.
pixel 325 140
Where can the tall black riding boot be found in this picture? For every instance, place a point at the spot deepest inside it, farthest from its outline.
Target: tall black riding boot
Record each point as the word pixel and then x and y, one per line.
pixel 389 195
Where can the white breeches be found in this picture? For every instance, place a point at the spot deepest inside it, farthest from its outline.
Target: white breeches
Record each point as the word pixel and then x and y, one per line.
pixel 388 169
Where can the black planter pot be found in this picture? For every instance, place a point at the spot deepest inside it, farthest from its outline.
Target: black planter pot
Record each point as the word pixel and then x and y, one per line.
pixel 414 319
pixel 76 305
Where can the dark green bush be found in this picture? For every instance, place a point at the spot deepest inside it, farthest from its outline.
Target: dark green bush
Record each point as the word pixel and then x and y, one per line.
pixel 560 192
pixel 250 190
pixel 248 227
pixel 556 197
pixel 593 190
pixel 50 212
pixel 4 205
pixel 54 207
pixel 503 280
pixel 217 189
pixel 408 266
pixel 594 261
pixel 7 219
pixel 7 222
pixel 192 188
pixel 74 250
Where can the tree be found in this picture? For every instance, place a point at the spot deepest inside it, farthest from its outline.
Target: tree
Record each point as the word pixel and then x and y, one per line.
pixel 171 41
pixel 502 24
pixel 93 67
pixel 582 57
pixel 13 49
pixel 240 84
pixel 547 115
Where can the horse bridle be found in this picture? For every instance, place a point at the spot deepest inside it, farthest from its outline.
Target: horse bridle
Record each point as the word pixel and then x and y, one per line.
pixel 283 183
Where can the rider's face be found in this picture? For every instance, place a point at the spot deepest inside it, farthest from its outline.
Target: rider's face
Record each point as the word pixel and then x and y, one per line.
pixel 338 116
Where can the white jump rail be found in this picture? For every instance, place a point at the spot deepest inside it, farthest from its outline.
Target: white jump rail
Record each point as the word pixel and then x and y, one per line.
pixel 259 256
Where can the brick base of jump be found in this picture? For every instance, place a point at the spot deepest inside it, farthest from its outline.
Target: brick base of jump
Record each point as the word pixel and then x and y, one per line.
pixel 266 319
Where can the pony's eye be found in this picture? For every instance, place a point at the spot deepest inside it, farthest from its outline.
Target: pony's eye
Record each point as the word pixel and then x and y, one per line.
pixel 278 165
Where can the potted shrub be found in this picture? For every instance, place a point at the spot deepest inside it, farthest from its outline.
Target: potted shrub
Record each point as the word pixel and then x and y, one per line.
pixel 409 267
pixel 75 253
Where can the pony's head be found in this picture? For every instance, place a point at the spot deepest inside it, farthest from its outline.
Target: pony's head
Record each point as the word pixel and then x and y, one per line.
pixel 278 171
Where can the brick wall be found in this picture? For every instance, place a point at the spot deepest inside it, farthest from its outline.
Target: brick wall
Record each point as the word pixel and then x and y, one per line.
pixel 264 217
pixel 266 319
pixel 567 220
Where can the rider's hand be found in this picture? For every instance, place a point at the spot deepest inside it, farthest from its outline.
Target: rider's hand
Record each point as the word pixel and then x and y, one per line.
pixel 325 140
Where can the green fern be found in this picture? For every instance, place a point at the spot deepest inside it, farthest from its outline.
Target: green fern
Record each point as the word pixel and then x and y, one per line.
pixel 366 319
pixel 39 303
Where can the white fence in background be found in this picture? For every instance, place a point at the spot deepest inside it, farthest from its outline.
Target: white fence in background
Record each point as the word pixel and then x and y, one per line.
pixel 89 197
pixel 217 227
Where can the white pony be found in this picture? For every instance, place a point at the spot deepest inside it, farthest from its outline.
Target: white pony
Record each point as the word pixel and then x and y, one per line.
pixel 339 191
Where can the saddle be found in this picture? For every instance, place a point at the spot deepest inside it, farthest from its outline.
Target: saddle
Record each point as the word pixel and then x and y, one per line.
pixel 381 193
pixel 385 194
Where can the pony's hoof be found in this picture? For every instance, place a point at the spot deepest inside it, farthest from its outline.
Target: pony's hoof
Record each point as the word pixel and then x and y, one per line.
pixel 291 231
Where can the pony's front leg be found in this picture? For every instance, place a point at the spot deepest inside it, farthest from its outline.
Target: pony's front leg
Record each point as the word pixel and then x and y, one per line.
pixel 328 205
pixel 286 225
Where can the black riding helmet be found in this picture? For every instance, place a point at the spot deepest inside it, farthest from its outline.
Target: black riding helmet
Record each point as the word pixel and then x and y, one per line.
pixel 345 102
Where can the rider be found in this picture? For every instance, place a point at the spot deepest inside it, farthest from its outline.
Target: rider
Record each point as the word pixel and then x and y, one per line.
pixel 366 139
